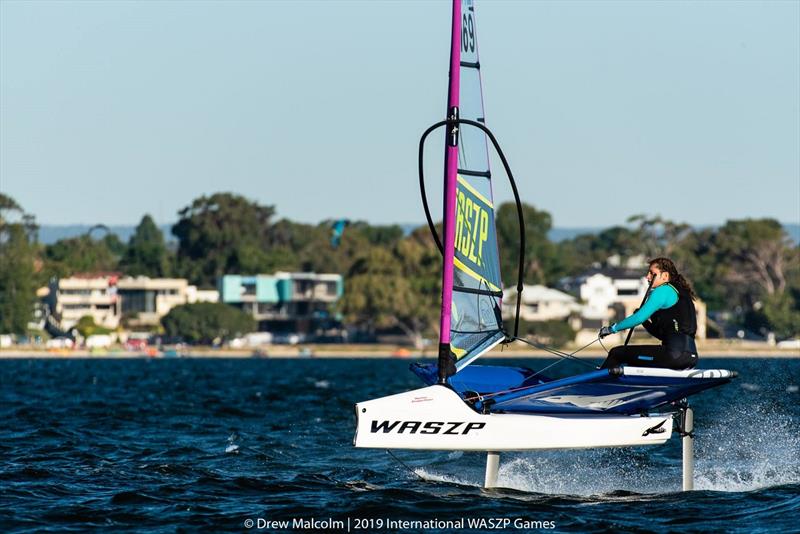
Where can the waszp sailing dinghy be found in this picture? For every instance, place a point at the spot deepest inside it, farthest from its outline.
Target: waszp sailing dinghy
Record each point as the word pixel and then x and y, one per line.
pixel 494 408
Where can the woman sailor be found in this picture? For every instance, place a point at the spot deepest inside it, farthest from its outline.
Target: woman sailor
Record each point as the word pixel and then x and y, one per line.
pixel 669 315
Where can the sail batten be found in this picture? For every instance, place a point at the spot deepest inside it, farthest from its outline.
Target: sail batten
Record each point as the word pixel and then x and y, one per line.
pixel 465 172
pixel 472 287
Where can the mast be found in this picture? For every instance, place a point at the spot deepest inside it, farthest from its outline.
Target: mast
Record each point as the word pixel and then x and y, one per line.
pixel 446 361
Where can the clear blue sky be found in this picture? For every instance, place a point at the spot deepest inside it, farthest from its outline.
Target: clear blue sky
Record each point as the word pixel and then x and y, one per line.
pixel 110 110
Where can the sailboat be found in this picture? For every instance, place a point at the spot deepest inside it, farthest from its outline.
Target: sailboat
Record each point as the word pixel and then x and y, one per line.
pixel 470 407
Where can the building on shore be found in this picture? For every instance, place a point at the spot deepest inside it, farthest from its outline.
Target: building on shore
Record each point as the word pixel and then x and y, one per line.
pixel 285 303
pixel 144 301
pixel 540 303
pixel 109 299
pixel 89 294
pixel 604 289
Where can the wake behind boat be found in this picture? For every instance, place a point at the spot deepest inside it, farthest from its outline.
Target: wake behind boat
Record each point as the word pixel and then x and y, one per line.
pixel 495 408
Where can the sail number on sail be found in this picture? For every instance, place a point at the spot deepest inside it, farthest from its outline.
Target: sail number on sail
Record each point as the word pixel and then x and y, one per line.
pixel 467 33
pixel 472 227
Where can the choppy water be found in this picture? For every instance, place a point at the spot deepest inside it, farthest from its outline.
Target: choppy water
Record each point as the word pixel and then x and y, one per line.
pixel 199 444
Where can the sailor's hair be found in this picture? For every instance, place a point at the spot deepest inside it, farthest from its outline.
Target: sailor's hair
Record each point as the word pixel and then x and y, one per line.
pixel 675 278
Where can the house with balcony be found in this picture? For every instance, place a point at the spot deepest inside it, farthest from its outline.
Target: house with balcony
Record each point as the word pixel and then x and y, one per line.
pixel 144 301
pixel 284 302
pixel 91 294
pixel 540 303
pixel 109 298
pixel 604 290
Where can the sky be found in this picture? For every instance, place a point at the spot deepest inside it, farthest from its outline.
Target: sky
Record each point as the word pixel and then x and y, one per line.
pixel 110 110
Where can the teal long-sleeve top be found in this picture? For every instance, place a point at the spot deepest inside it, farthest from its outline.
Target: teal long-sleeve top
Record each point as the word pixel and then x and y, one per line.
pixel 660 298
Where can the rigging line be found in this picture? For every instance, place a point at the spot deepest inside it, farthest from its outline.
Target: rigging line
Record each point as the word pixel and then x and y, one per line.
pixel 401 462
pixel 583 347
pixel 512 390
pixel 540 346
pixel 462 152
pixel 570 356
pixel 540 371
pixel 564 357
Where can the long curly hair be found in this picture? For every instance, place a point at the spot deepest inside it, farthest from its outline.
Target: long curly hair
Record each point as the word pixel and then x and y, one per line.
pixel 675 278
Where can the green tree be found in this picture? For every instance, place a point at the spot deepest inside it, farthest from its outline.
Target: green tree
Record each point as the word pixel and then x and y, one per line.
pixel 573 256
pixel 395 288
pixel 782 312
pixel 540 262
pixel 146 254
pixel 576 255
pixel 87 327
pixel 659 236
pixel 386 235
pixel 80 254
pixel 292 246
pixel 17 266
pixel 696 257
pixel 618 240
pixel 223 233
pixel 421 264
pixel 754 253
pixel 206 322
pixel 376 293
pixel 748 266
pixel 693 252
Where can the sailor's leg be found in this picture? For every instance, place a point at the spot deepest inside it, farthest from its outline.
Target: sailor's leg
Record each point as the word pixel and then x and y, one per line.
pixel 683 360
pixel 616 357
pixel 638 355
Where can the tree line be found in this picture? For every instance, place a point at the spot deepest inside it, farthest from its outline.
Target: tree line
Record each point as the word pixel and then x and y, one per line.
pixel 748 268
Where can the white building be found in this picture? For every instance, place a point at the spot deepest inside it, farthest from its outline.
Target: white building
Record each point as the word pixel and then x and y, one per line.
pixel 539 303
pixel 600 290
pixel 107 298
pixel 144 301
pixel 94 295
pixel 193 294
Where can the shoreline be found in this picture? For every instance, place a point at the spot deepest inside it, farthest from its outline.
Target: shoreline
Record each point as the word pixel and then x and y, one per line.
pixel 351 351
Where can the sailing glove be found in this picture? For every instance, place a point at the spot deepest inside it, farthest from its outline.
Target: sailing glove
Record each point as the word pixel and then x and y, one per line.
pixel 605 331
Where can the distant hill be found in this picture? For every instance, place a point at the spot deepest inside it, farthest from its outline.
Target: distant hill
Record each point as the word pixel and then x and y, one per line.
pixel 49 234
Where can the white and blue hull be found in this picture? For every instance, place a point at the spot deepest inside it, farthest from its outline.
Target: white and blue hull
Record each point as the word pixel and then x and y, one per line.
pixel 436 418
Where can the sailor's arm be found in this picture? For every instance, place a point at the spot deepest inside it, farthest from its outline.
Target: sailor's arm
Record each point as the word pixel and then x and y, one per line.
pixel 660 298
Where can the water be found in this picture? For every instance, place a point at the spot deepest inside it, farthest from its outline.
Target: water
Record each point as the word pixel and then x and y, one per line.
pixel 185 444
